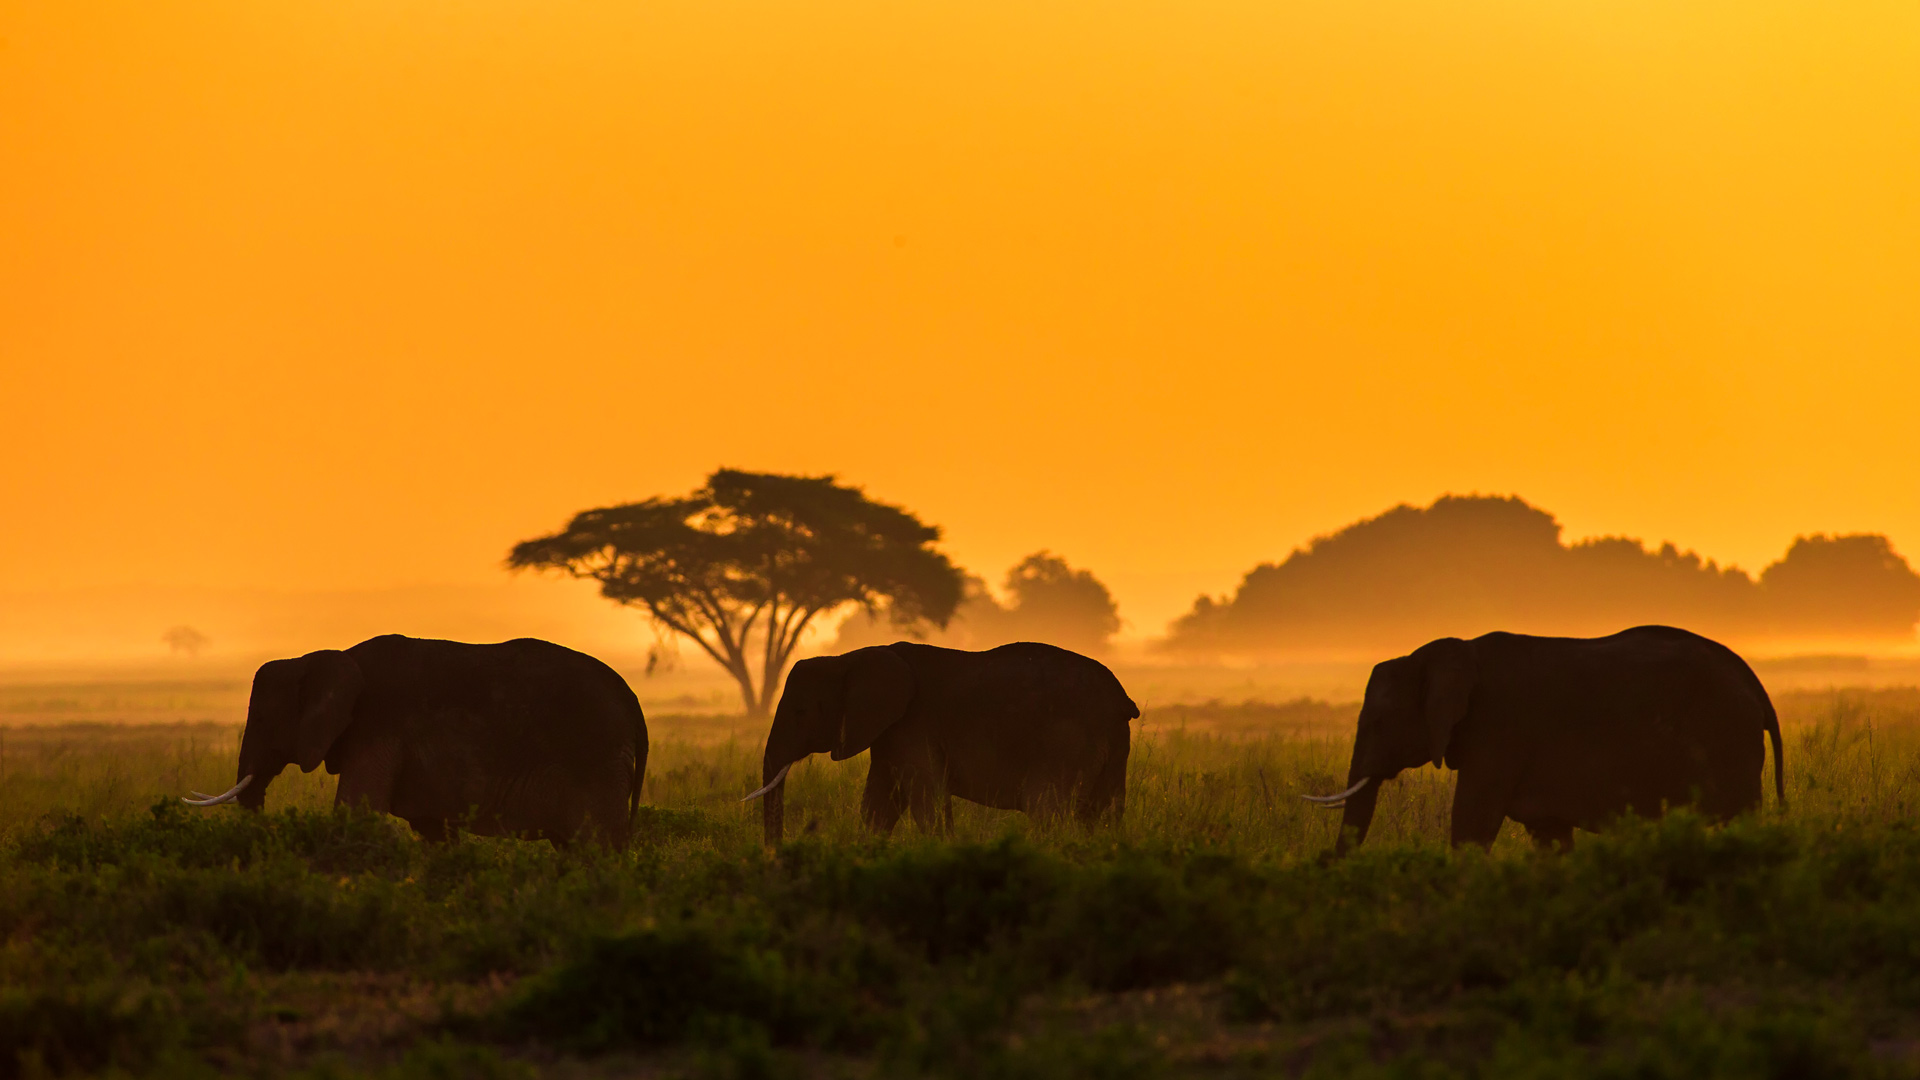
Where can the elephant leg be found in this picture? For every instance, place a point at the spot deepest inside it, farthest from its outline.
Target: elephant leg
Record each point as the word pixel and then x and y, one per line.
pixel 432 830
pixel 932 811
pixel 1551 835
pixel 602 816
pixel 1104 799
pixel 906 777
pixel 369 768
pixel 1479 809
pixel 881 804
pixel 1098 803
pixel 553 803
pixel 607 814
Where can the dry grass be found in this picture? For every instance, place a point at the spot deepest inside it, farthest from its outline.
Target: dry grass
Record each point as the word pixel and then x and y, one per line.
pixel 1211 772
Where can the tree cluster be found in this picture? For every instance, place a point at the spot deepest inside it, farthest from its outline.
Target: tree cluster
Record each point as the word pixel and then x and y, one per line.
pixel 745 566
pixel 1470 564
pixel 1047 600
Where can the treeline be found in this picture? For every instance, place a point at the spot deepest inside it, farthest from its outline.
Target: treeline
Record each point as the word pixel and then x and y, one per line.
pixel 1047 600
pixel 743 566
pixel 1470 564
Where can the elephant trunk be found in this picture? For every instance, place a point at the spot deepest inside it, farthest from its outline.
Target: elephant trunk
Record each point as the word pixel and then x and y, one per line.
pixel 773 814
pixel 772 811
pixel 267 742
pixel 790 740
pixel 1356 816
pixel 254 796
pixel 261 765
pixel 249 791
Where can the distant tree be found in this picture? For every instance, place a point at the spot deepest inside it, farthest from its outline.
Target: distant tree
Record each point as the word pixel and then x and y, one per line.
pixel 1845 586
pixel 1465 565
pixel 1048 600
pixel 1464 562
pixel 977 615
pixel 1469 564
pixel 185 639
pixel 755 555
pixel 1054 603
pixel 1613 582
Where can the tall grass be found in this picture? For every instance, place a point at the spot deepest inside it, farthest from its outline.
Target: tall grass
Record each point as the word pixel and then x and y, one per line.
pixel 1204 935
pixel 1216 774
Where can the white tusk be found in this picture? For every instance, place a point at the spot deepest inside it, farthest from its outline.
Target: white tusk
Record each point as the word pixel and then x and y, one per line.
pixel 771 784
pixel 215 800
pixel 1331 801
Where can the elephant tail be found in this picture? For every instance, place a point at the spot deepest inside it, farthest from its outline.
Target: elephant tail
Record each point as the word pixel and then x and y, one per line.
pixel 1779 763
pixel 639 766
pixel 1770 725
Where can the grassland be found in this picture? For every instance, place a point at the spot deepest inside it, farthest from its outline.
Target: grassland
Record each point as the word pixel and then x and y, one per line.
pixel 1205 936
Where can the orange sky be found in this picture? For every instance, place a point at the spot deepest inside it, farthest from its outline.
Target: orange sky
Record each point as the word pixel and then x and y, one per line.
pixel 348 294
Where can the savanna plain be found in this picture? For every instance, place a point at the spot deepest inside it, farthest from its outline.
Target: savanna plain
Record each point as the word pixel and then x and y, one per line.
pixel 1206 935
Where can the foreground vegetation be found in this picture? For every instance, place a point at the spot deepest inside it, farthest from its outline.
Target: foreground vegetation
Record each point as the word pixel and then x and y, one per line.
pixel 1206 936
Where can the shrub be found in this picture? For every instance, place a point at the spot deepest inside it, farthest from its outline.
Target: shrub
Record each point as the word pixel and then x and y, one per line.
pixel 85 1029
pixel 652 987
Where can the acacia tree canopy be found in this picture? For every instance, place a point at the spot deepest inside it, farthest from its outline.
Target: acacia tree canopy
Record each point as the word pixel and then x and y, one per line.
pixel 755 555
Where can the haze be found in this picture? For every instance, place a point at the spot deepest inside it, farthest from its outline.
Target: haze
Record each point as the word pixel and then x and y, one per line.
pixel 353 295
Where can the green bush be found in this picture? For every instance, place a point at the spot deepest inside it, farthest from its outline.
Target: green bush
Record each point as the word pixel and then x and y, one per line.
pixel 82 1030
pixel 336 841
pixel 651 987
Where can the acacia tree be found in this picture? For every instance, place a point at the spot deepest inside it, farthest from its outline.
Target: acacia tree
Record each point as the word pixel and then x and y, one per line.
pixel 754 556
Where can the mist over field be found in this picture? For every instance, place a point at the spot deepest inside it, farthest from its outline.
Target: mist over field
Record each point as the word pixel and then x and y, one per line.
pixel 108 627
pixel 1461 566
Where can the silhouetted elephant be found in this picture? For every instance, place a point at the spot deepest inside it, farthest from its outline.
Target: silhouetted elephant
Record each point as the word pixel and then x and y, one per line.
pixel 523 737
pixel 1022 727
pixel 1563 732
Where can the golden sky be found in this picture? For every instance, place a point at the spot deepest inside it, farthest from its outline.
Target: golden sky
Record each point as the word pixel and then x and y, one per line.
pixel 356 293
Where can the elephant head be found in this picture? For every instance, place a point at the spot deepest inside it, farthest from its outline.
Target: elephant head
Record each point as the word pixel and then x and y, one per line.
pixel 298 708
pixel 1412 705
pixel 835 705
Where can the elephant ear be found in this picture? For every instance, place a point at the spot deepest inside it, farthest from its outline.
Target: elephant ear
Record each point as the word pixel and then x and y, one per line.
pixel 1451 670
pixel 879 687
pixel 328 690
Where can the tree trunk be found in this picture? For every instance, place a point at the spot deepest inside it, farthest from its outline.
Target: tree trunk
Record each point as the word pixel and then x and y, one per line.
pixel 756 709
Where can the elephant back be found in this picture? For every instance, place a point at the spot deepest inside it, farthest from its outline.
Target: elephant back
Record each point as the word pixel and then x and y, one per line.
pixel 1071 679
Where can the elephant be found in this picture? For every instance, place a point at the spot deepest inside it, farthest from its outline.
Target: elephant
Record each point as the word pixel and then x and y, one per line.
pixel 1564 733
pixel 522 737
pixel 1026 726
